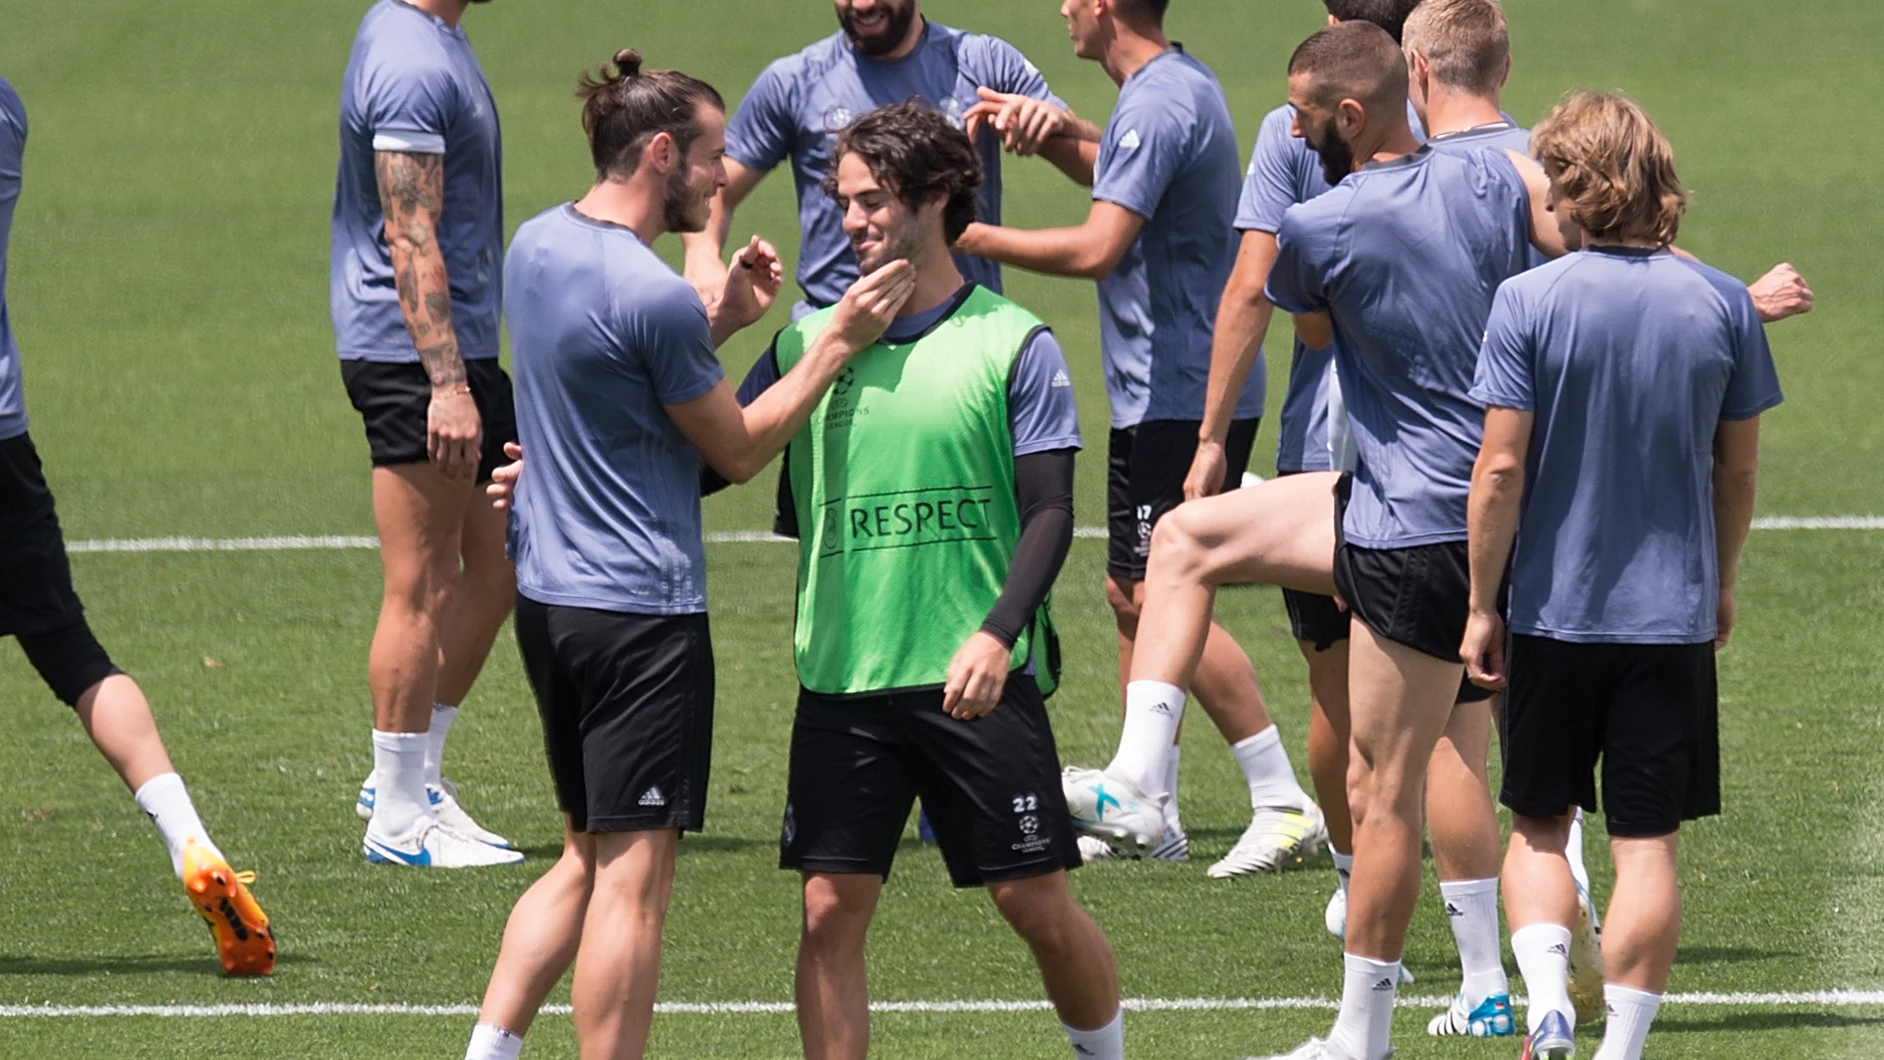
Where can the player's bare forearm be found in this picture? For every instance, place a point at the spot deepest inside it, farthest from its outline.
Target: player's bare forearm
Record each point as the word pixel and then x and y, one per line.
pixel 1073 157
pixel 1091 250
pixel 1242 319
pixel 1492 506
pixel 1736 483
pixel 704 252
pixel 412 198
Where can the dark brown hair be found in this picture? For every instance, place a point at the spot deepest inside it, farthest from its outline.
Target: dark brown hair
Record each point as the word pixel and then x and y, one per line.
pixel 1353 60
pixel 917 153
pixel 623 111
pixel 1614 165
pixel 1389 15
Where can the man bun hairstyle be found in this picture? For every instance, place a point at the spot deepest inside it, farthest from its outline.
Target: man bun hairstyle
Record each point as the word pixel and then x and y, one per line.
pixel 1465 42
pixel 1353 60
pixel 1389 15
pixel 1613 165
pixel 622 111
pixel 916 152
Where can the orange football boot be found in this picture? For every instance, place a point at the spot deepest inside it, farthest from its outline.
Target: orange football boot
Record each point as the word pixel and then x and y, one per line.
pixel 244 941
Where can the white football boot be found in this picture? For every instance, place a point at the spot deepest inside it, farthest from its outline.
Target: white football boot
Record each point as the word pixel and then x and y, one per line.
pixel 435 847
pixel 444 802
pixel 1586 961
pixel 1114 810
pixel 1275 837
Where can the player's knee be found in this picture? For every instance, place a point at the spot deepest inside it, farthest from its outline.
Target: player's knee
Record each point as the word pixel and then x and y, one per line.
pixel 70 660
pixel 1177 548
pixel 833 916
pixel 1038 915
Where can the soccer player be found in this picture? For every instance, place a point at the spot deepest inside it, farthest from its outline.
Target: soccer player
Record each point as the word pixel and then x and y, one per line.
pixel 40 609
pixel 417 237
pixel 620 399
pixel 1159 241
pixel 1624 386
pixel 1283 172
pixel 1399 260
pixel 932 497
pixel 885 51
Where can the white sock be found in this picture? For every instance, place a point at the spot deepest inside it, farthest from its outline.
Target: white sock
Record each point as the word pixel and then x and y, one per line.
pixel 400 808
pixel 1573 851
pixel 1365 1023
pixel 1172 825
pixel 1153 710
pixel 1266 766
pixel 1344 868
pixel 1543 953
pixel 1472 910
pixel 442 717
pixel 166 802
pixel 1106 1043
pixel 492 1043
pixel 1631 1013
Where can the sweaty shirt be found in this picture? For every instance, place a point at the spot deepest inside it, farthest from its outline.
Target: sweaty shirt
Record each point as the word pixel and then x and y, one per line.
pixel 1169 155
pixel 602 335
pixel 1405 255
pixel 1283 171
pixel 1630 359
pixel 413 84
pixel 12 153
pixel 796 107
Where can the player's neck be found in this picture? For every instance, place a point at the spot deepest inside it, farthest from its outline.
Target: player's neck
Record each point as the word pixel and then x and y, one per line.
pixel 937 281
pixel 640 210
pixel 447 11
pixel 1131 48
pixel 1452 112
pixel 1624 243
pixel 1398 142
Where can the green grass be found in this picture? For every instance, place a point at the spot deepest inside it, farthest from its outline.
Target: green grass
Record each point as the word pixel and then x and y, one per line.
pixel 168 286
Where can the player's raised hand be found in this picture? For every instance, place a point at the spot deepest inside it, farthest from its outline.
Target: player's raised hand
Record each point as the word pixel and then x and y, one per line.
pixel 1208 469
pixel 753 279
pixel 1483 649
pixel 1781 293
pixel 503 484
pixel 976 677
pixel 867 309
pixel 1022 122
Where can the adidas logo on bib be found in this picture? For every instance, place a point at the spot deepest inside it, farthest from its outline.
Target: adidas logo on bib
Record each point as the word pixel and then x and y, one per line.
pixel 653 797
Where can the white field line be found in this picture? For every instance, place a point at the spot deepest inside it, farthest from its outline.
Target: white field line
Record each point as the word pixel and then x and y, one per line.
pixel 1803 999
pixel 722 537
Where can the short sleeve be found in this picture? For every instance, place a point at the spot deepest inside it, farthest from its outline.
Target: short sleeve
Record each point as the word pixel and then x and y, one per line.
pixel 1507 361
pixel 761 134
pixel 1040 408
pixel 1271 185
pixel 1298 280
pixel 1144 149
pixel 671 338
pixel 760 377
pixel 1754 387
pixel 410 111
pixel 1005 69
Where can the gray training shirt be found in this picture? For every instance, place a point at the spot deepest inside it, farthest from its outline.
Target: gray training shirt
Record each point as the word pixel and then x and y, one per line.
pixel 412 84
pixel 1630 360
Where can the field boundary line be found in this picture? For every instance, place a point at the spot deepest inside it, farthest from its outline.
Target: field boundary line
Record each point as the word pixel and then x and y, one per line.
pixel 324 542
pixel 1786 999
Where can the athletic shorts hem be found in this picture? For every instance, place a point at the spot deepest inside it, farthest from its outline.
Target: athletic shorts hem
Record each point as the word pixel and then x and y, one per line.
pixel 679 820
pixel 835 866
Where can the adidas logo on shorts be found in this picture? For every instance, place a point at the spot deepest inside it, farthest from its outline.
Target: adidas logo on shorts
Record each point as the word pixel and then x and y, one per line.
pixel 653 797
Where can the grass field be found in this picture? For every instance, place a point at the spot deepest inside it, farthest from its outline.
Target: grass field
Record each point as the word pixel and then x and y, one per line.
pixel 168 287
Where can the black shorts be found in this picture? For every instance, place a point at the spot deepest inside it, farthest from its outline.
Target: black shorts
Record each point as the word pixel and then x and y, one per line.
pixel 37 602
pixel 1416 596
pixel 394 399
pixel 991 786
pixel 1650 712
pixel 1145 470
pixel 627 709
pixel 1313 617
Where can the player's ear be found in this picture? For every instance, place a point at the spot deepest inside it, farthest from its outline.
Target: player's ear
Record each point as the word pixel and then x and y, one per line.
pixel 1506 76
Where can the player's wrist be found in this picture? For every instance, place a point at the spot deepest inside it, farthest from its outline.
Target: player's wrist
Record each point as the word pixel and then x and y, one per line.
pixel 459 388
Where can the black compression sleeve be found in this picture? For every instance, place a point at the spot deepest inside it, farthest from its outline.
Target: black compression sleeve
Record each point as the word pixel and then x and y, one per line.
pixel 1043 483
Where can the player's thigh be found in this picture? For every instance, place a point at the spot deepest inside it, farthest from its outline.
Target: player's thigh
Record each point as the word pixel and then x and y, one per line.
pixel 849 787
pixel 420 517
pixel 991 787
pixel 1399 702
pixel 1279 532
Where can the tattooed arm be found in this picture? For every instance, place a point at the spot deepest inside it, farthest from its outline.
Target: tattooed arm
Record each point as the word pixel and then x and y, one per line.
pixel 412 197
